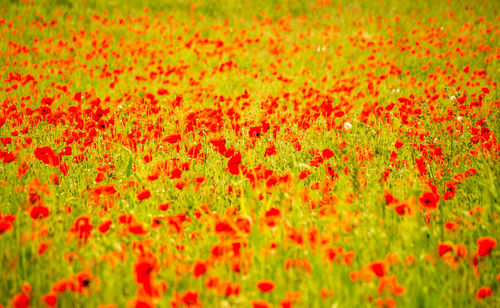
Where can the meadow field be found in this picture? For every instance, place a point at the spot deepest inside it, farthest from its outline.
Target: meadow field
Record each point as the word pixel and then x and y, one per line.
pixel 249 153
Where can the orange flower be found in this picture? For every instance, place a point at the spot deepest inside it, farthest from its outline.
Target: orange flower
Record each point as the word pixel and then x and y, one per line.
pixel 387 302
pixel 326 293
pixel 390 285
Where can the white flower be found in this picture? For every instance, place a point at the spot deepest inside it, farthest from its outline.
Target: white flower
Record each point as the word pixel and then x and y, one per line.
pixel 459 119
pixel 347 125
pixel 320 49
pixel 453 97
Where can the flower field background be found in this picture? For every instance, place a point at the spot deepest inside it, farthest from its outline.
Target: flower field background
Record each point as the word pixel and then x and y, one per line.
pixel 249 154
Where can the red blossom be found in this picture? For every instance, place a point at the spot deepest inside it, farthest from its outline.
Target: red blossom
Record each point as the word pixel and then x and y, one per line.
pixel 39 211
pixel 233 164
pixel 444 248
pixel 199 269
pixel 10 157
pixel 265 285
pixel 378 268
pixel 104 226
pixel 50 299
pixel 485 245
pixel 143 194
pixel 21 300
pixel 47 156
pixel 483 292
pixel 429 200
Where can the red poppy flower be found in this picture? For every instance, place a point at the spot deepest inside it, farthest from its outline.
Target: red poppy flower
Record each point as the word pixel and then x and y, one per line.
pixel 233 164
pixel 402 208
pixel 483 292
pixel 244 224
pixel 181 184
pixel 339 114
pixel 50 299
pixel 54 178
pixel 64 168
pixel 39 211
pixel 255 132
pixel 378 268
pixel 164 206
pixel 327 153
pixel 143 271
pixel 223 227
pixel 389 198
pixel 9 158
pixel 271 150
pixel 47 156
pixel 265 285
pixel 199 269
pixel 67 151
pixel 144 194
pixel 147 158
pixel 190 298
pixel 82 228
pixel 21 300
pixel 78 158
pixel 77 96
pixel 6 223
pixel 421 165
pixel 444 248
pixel 104 226
pixel 485 245
pixel 176 174
pixel 304 174
pixel 42 248
pixel 137 228
pixel 172 138
pixel 261 304
pixel 429 200
pixel 273 212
